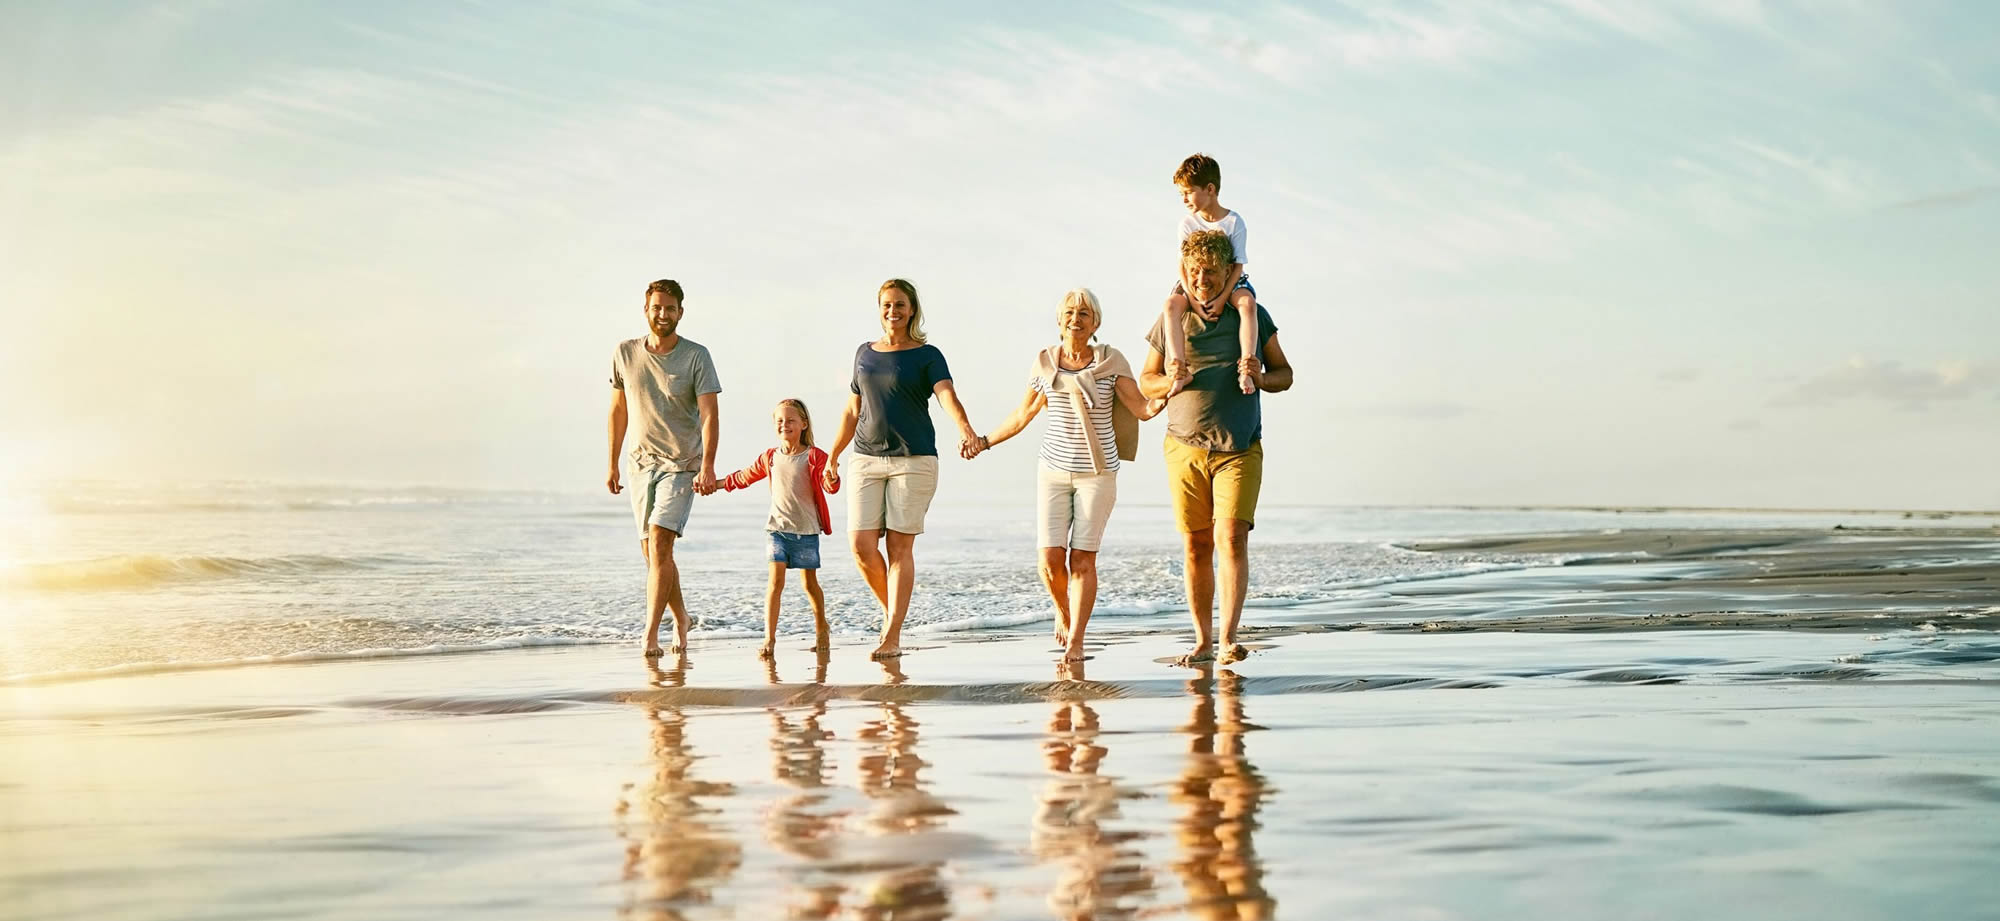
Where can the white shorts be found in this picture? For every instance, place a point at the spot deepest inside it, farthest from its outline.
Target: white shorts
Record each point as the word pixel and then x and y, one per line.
pixel 892 492
pixel 1074 507
pixel 661 497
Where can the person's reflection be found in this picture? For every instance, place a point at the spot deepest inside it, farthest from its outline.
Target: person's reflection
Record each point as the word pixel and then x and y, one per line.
pixel 1102 875
pixel 674 855
pixel 911 885
pixel 800 824
pixel 1220 793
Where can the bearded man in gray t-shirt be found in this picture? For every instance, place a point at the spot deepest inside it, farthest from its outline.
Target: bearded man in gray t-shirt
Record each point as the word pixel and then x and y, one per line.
pixel 663 388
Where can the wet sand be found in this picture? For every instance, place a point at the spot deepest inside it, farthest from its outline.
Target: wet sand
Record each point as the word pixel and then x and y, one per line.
pixel 1732 726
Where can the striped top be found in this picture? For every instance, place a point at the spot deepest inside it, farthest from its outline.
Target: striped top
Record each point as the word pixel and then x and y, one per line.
pixel 1063 444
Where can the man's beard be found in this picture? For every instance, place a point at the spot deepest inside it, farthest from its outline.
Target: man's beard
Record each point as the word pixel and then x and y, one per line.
pixel 663 330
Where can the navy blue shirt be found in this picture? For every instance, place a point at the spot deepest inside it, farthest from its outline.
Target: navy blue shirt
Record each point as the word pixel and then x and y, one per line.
pixel 895 389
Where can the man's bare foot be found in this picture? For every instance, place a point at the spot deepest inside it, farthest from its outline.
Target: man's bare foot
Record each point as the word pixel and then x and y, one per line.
pixel 821 646
pixel 887 650
pixel 767 651
pixel 1196 656
pixel 653 651
pixel 1074 653
pixel 1234 652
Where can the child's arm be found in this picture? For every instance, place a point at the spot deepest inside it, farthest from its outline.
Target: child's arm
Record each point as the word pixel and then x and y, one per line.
pixel 757 470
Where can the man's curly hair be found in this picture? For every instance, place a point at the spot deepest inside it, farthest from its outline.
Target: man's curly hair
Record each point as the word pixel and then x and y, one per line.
pixel 1209 247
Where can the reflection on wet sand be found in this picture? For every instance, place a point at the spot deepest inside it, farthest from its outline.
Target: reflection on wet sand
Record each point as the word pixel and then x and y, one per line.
pixel 675 856
pixel 905 822
pixel 800 824
pixel 1220 793
pixel 1102 874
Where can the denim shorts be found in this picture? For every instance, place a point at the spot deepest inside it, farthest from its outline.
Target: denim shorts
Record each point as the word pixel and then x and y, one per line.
pixel 797 551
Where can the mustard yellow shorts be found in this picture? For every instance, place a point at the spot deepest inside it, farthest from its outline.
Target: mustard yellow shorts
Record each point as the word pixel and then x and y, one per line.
pixel 1210 486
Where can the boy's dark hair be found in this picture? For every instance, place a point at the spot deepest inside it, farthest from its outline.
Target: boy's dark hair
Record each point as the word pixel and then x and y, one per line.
pixel 666 286
pixel 1197 171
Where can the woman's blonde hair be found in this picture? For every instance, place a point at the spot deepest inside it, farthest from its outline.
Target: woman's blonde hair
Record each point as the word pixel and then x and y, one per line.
pixel 916 306
pixel 1082 297
pixel 805 437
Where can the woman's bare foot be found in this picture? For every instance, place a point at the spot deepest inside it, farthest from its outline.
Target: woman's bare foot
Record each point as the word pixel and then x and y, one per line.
pixel 1234 652
pixel 887 650
pixel 768 651
pixel 653 651
pixel 1062 632
pixel 1074 653
pixel 1197 656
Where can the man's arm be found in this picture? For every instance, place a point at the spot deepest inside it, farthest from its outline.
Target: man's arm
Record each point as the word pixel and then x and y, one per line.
pixel 618 419
pixel 711 433
pixel 1277 374
pixel 1153 379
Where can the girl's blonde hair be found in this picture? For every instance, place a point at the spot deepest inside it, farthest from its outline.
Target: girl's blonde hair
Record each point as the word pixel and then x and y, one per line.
pixel 805 437
pixel 1085 298
pixel 916 306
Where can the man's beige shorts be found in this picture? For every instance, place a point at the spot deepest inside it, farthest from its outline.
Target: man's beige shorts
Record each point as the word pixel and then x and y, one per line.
pixel 891 492
pixel 1074 507
pixel 1212 486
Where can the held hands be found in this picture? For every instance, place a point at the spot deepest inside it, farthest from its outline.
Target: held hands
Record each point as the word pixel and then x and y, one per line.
pixel 704 482
pixel 830 480
pixel 971 446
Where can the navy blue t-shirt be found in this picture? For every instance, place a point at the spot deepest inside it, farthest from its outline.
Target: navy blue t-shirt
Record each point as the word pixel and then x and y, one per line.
pixel 895 389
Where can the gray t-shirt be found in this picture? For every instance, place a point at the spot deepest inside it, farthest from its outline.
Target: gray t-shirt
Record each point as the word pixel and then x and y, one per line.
pixel 793 510
pixel 1212 413
pixel 660 392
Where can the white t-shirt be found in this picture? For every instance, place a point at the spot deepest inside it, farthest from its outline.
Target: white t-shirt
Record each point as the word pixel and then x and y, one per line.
pixel 1231 224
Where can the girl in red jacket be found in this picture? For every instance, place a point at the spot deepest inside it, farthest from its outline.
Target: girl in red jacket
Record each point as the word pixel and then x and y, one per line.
pixel 798 515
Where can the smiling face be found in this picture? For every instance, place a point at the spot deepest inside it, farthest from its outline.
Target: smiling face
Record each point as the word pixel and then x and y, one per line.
pixel 790 425
pixel 895 311
pixel 1204 277
pixel 663 313
pixel 1078 321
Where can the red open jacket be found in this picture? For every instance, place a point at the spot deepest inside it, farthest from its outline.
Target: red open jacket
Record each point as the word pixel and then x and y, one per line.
pixel 815 471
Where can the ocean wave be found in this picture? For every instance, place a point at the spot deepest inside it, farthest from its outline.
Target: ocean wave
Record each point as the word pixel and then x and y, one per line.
pixel 157 668
pixel 146 570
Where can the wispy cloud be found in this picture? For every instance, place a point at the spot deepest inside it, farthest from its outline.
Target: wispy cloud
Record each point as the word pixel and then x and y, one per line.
pixel 1952 199
pixel 1890 382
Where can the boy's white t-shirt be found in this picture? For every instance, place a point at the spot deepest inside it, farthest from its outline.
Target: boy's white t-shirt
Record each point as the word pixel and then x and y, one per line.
pixel 1231 224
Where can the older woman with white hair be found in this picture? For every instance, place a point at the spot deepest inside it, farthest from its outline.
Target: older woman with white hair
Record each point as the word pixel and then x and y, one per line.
pixel 1094 412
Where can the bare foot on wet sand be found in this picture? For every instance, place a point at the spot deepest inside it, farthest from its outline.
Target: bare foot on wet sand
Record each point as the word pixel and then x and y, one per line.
pixel 1199 655
pixel 1073 653
pixel 888 650
pixel 1234 652
pixel 653 650
pixel 768 651
pixel 1062 634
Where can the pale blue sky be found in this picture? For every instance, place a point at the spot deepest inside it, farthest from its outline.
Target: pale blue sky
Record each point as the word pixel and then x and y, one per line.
pixel 1582 251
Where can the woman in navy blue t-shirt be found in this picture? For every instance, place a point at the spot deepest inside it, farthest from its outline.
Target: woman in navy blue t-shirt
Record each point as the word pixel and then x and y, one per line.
pixel 894 469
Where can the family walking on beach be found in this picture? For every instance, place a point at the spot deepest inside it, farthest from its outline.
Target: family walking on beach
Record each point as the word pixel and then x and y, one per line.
pixel 1211 351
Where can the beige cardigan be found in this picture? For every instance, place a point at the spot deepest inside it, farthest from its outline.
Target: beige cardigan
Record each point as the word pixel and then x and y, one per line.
pixel 1082 387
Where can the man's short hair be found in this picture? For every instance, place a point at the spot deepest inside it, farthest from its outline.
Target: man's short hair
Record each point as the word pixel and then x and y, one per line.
pixel 1208 247
pixel 666 286
pixel 1197 171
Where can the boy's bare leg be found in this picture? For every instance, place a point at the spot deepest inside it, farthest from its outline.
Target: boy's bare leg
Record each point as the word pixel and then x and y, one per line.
pixel 1246 337
pixel 1200 573
pixel 774 592
pixel 1055 578
pixel 1175 332
pixel 821 633
pixel 663 590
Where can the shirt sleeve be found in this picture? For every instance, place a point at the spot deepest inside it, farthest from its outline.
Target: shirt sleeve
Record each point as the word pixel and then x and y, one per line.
pixel 936 369
pixel 1239 238
pixel 617 375
pixel 1156 337
pixel 854 380
pixel 705 380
